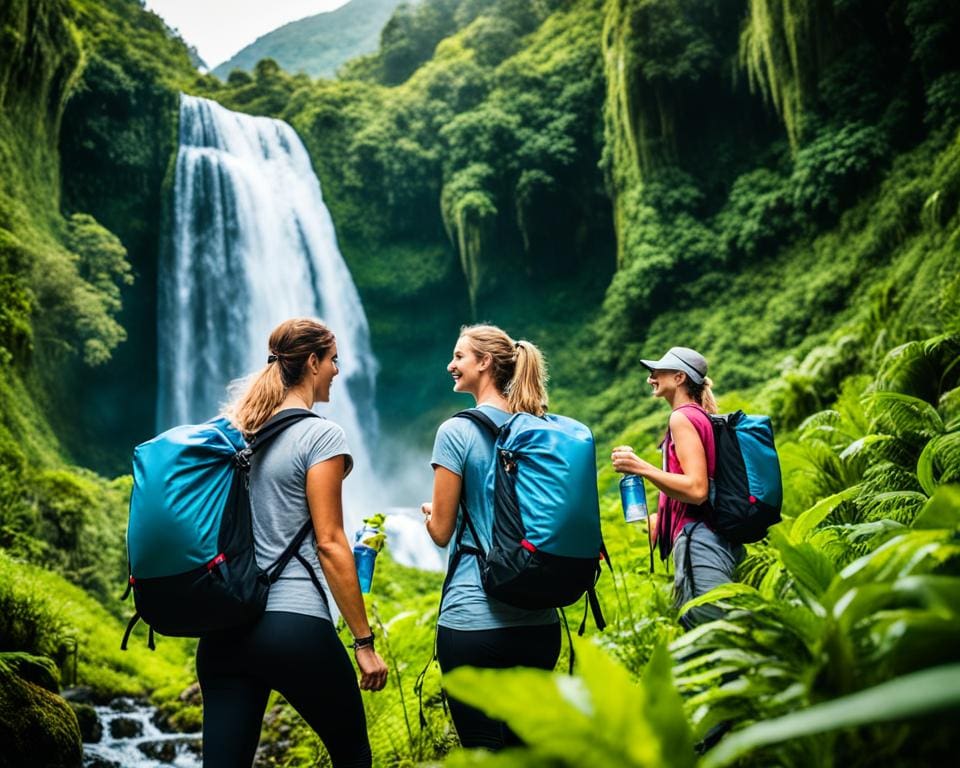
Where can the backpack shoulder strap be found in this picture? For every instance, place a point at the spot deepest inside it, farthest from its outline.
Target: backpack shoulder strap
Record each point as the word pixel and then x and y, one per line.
pixel 481 419
pixel 278 424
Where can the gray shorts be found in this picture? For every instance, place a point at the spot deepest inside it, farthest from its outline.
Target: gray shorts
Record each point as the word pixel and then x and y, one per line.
pixel 702 560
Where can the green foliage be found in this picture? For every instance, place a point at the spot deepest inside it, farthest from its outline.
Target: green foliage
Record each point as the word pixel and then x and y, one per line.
pixel 832 168
pixel 759 213
pixel 42 610
pixel 600 716
pixel 781 47
pixel 911 696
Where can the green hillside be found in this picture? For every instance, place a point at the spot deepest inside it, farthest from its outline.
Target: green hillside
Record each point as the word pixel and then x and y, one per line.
pixel 318 44
pixel 774 183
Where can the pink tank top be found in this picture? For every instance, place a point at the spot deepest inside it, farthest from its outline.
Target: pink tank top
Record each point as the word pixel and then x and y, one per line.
pixel 673 514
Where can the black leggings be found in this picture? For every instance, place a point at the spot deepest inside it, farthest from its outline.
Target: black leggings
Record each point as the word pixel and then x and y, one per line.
pixel 537 646
pixel 299 656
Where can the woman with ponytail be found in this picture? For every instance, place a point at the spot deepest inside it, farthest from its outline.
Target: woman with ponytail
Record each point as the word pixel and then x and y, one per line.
pixel 293 648
pixel 504 377
pixel 702 559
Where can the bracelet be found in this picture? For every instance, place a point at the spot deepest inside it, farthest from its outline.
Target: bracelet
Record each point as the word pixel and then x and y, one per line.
pixel 363 642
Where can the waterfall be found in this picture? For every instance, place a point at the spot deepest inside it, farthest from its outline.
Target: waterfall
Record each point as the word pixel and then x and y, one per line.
pixel 253 244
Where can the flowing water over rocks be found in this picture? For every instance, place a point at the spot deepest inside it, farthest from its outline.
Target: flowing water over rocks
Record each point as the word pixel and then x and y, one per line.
pixel 131 739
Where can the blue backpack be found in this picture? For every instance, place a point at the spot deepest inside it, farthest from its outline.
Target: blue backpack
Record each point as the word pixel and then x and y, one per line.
pixel 746 494
pixel 192 564
pixel 546 544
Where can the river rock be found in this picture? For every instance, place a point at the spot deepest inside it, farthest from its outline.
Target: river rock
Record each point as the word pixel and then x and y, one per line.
pixel 91 729
pixel 95 761
pixel 166 751
pixel 191 695
pixel 125 728
pixel 81 694
pixel 37 727
pixel 123 704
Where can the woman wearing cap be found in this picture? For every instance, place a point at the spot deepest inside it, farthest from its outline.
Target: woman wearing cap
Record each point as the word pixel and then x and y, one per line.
pixel 702 559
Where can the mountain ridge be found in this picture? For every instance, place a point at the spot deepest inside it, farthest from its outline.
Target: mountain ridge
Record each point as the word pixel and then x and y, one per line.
pixel 344 33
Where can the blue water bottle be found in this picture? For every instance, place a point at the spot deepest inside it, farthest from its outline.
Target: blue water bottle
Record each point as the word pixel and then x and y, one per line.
pixel 365 557
pixel 633 498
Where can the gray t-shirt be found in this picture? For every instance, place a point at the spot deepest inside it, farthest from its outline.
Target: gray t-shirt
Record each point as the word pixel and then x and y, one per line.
pixel 278 501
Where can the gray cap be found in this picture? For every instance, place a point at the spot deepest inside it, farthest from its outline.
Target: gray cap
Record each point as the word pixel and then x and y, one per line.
pixel 683 359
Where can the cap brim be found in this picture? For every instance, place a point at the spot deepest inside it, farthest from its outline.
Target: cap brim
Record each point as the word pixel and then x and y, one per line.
pixel 674 363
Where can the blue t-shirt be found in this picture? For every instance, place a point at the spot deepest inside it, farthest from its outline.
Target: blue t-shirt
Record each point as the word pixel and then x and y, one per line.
pixel 466 449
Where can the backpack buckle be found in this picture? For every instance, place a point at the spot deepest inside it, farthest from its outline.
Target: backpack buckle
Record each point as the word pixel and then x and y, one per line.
pixel 242 458
pixel 508 461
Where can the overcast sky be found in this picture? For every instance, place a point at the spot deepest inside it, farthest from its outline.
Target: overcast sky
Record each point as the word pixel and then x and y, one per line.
pixel 220 28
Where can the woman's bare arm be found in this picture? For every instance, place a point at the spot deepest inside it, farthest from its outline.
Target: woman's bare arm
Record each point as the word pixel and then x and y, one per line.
pixel 441 513
pixel 324 482
pixel 692 485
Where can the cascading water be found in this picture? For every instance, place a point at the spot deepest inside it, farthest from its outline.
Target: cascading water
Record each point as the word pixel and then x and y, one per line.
pixel 253 244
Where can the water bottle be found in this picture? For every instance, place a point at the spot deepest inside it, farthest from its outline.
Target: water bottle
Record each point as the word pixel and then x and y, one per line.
pixel 633 498
pixel 365 556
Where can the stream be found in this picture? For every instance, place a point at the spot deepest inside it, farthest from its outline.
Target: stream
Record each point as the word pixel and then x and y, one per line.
pixel 131 738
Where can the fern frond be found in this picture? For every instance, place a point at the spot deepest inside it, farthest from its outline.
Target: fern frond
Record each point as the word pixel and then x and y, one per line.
pixel 904 416
pixel 939 462
pixel 921 368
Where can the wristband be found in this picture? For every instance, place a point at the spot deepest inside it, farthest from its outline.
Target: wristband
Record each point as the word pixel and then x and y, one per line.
pixel 363 642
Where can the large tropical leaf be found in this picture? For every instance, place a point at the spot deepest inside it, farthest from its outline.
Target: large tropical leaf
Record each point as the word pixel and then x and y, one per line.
pixel 807 521
pixel 909 696
pixel 942 510
pixel 601 716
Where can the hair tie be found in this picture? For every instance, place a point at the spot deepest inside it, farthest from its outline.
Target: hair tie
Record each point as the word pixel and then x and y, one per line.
pixel 272 359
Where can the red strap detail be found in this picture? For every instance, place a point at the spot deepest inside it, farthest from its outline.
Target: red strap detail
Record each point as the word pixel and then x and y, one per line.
pixel 753 499
pixel 132 580
pixel 221 558
pixel 527 545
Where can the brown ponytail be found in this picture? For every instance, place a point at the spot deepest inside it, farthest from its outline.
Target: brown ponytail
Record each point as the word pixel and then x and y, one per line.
pixel 518 368
pixel 290 346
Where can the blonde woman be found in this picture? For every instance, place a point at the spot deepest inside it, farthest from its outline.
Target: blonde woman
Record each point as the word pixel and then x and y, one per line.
pixel 702 558
pixel 293 648
pixel 504 377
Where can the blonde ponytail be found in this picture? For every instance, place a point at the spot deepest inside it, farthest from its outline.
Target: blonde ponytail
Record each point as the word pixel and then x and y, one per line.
pixel 518 368
pixel 257 402
pixel 707 399
pixel 291 344
pixel 527 391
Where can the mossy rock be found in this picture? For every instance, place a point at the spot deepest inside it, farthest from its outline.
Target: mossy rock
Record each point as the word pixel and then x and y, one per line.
pixel 38 670
pixel 91 729
pixel 37 727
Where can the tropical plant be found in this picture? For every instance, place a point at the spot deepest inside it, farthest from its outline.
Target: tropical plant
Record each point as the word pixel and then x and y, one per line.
pixel 601 716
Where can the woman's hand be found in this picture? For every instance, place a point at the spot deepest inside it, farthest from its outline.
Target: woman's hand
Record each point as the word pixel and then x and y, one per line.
pixel 627 462
pixel 373 669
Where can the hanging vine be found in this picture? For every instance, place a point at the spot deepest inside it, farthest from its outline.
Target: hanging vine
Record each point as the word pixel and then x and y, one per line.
pixel 783 46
